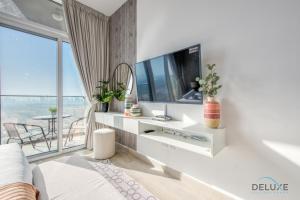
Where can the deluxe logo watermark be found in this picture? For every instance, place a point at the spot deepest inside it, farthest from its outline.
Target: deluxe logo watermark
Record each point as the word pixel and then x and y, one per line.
pixel 267 184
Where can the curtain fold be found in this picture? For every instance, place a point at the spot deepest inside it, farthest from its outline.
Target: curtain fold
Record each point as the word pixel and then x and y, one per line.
pixel 88 32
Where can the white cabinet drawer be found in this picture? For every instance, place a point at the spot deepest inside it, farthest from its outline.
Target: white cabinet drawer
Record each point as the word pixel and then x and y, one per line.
pixel 153 149
pixel 118 122
pixel 175 157
pixel 131 125
pixel 105 119
pixel 182 160
pixel 109 120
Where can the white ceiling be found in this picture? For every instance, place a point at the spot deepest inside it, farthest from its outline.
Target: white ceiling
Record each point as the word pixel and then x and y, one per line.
pixel 107 7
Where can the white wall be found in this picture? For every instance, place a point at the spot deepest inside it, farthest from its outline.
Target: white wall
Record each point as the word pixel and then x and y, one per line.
pixel 256 46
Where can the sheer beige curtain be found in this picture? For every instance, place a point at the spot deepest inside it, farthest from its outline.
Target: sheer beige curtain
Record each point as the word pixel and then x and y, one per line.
pixel 89 35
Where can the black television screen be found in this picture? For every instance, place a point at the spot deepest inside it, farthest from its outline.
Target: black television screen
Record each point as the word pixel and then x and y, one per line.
pixel 170 78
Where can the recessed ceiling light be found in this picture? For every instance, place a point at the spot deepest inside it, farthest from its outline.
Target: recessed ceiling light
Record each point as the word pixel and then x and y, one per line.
pixel 57 17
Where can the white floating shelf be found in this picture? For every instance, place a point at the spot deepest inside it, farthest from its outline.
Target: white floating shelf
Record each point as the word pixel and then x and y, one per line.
pixel 211 140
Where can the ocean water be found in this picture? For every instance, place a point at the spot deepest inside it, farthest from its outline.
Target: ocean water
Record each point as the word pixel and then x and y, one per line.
pixel 22 109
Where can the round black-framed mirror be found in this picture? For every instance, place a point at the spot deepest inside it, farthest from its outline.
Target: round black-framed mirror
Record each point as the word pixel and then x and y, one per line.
pixel 122 81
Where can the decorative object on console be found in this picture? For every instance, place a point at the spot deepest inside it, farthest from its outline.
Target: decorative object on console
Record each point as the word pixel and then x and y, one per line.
pixel 209 85
pixel 163 117
pixel 135 111
pixel 128 104
pixel 212 112
pixel 104 96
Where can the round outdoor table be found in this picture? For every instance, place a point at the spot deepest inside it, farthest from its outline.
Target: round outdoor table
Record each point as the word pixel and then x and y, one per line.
pixel 51 123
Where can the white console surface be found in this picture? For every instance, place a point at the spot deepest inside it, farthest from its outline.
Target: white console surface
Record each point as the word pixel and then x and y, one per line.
pixel 187 136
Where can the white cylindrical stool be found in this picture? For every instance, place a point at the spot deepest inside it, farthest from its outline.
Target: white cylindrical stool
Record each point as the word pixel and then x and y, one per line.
pixel 104 143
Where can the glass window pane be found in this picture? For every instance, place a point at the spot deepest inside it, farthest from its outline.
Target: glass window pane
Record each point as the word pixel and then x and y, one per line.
pixel 74 101
pixel 28 90
pixel 28 63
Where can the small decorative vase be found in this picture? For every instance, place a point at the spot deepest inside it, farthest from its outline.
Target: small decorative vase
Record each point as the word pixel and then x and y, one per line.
pixel 104 107
pixel 212 112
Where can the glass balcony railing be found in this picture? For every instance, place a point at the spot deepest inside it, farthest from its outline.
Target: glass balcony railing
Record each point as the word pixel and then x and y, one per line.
pixel 31 122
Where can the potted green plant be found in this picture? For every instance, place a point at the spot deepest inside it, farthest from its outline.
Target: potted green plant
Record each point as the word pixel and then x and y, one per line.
pixel 52 110
pixel 209 86
pixel 120 92
pixel 104 96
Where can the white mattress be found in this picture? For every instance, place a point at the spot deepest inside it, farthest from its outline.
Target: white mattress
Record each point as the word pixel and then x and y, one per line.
pixel 62 181
pixel 14 166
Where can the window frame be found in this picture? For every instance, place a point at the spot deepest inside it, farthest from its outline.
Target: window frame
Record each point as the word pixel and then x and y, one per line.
pixel 60 37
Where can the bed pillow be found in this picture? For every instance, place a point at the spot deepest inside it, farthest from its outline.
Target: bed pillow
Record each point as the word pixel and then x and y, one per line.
pixel 14 166
pixel 18 191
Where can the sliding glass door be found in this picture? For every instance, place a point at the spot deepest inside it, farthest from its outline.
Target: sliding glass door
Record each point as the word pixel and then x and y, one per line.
pixel 74 101
pixel 40 91
pixel 28 90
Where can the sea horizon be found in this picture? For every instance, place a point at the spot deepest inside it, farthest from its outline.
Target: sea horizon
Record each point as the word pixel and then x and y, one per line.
pixel 23 109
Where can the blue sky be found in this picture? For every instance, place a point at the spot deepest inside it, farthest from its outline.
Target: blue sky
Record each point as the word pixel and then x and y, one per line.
pixel 28 65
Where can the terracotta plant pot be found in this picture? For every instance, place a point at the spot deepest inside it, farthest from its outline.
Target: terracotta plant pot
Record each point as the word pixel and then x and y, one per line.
pixel 212 113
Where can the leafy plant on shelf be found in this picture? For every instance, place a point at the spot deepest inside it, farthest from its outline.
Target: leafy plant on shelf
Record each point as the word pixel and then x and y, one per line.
pixel 105 95
pixel 120 92
pixel 52 110
pixel 209 85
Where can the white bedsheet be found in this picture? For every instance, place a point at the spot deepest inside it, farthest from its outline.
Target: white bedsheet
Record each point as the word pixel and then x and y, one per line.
pixel 61 181
pixel 14 166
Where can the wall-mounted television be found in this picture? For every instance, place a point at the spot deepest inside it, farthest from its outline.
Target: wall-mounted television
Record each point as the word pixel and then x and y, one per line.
pixel 170 78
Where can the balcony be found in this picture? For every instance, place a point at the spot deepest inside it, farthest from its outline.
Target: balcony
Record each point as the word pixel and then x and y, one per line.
pixel 20 112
